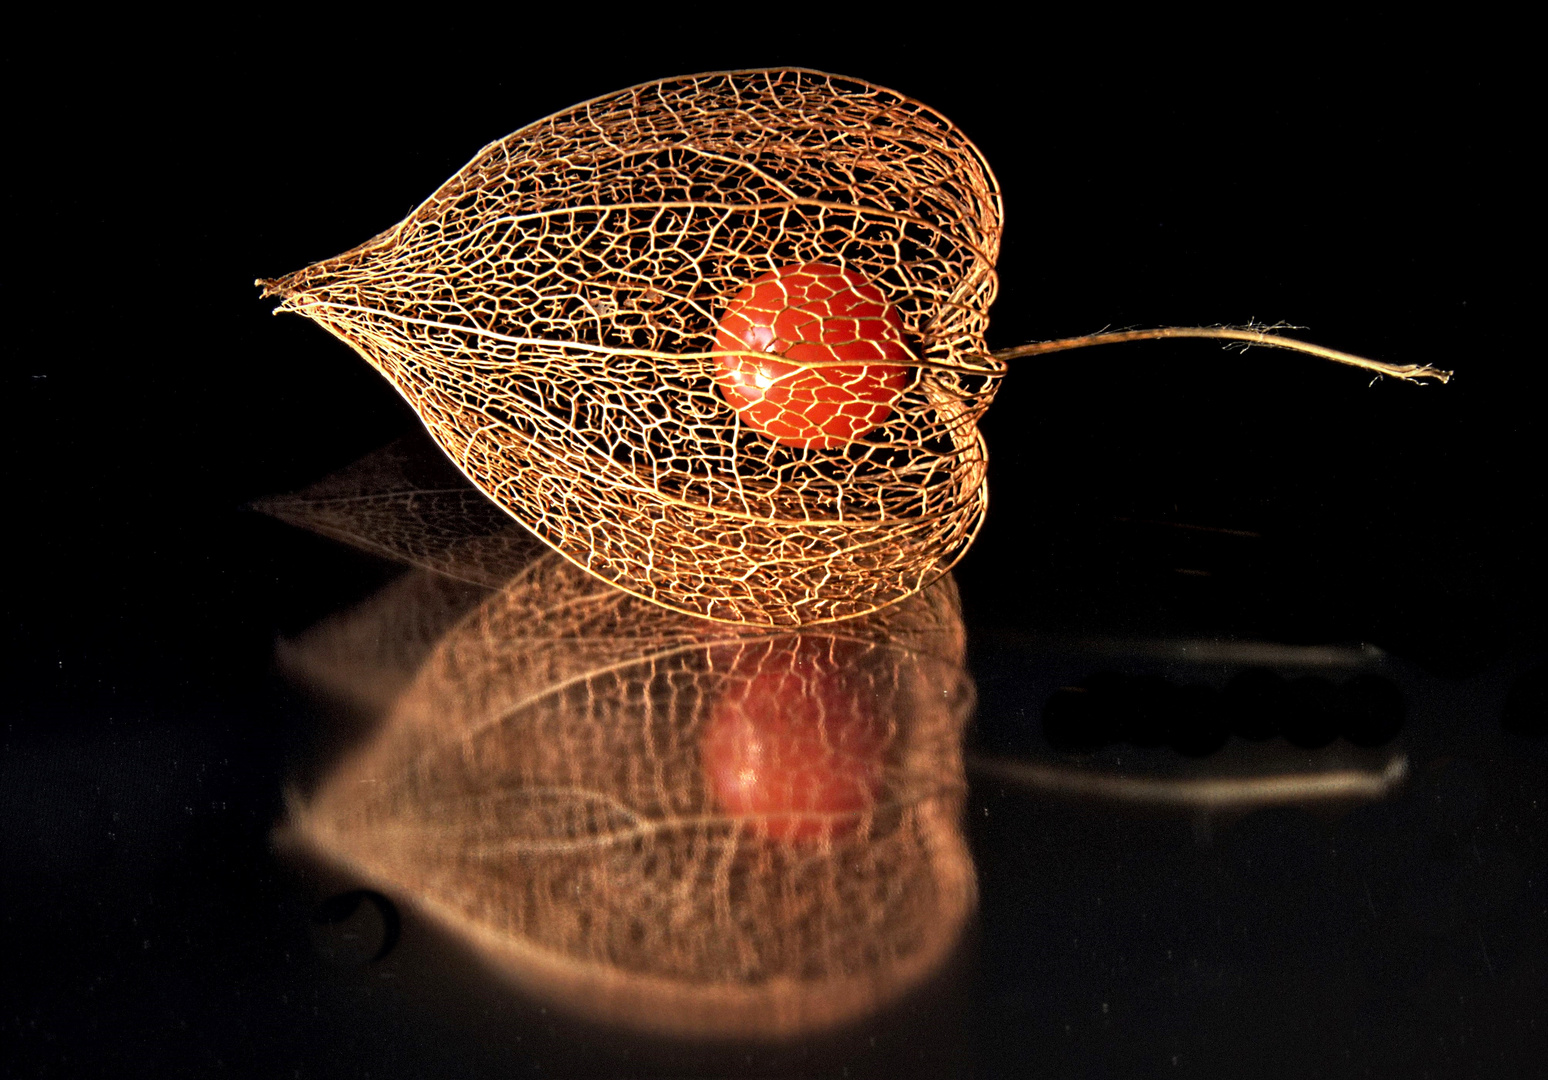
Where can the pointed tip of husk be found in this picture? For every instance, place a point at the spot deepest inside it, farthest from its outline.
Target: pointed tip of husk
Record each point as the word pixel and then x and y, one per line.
pixel 291 297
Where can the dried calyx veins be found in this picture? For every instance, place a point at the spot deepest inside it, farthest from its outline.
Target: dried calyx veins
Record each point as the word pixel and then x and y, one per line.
pixel 718 340
pixel 794 743
pixel 655 820
pixel 812 357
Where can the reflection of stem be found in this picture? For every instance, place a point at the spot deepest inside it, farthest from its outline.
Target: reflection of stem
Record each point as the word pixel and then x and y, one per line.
pixel 1203 792
pixel 1248 335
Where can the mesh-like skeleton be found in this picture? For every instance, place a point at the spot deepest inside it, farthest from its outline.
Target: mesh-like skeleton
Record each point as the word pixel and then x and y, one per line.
pixel 551 314
pixel 538 787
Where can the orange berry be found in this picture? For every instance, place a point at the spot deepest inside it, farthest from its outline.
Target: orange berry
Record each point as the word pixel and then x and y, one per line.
pixel 803 315
pixel 794 742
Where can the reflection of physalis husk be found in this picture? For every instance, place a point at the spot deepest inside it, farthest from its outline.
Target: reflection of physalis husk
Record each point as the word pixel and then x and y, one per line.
pixel 405 502
pixel 366 656
pixel 538 789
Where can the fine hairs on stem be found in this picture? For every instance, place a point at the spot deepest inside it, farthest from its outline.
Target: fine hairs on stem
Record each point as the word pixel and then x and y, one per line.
pixel 1244 335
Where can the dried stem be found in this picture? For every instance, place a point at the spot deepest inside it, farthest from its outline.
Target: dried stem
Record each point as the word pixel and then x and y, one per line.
pixel 1248 335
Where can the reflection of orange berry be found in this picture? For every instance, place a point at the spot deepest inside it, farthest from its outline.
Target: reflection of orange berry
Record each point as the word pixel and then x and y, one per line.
pixel 794 742
pixel 813 313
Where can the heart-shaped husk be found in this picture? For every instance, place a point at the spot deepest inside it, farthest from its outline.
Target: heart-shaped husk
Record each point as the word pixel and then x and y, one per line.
pixel 550 313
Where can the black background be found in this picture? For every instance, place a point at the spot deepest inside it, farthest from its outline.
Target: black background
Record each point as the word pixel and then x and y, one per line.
pixel 1367 182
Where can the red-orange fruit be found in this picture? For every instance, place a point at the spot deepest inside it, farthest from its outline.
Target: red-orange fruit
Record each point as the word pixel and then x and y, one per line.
pixel 799 316
pixel 793 743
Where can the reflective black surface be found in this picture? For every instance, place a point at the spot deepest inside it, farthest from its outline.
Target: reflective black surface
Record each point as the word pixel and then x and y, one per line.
pixel 1147 505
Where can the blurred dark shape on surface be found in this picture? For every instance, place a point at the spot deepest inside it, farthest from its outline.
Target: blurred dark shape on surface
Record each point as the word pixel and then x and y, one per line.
pixel 354 928
pixel 1196 720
